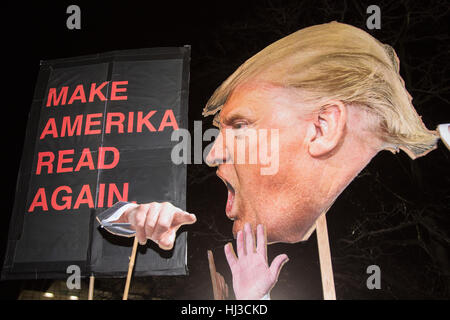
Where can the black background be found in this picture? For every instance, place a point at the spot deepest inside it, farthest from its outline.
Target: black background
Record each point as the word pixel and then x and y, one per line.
pixel 395 214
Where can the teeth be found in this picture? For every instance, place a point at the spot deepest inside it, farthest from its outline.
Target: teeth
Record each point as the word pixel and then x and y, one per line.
pixel 229 186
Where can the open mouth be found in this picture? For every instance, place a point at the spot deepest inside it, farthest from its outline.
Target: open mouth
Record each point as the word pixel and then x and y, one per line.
pixel 230 198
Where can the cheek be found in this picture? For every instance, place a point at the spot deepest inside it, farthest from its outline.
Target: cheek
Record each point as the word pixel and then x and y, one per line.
pixel 278 197
pixel 270 199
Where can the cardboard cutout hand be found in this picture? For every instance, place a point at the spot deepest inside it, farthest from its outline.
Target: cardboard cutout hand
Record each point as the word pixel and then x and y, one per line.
pixel 157 221
pixel 252 276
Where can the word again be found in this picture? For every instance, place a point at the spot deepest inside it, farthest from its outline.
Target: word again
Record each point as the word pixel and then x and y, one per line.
pixel 61 198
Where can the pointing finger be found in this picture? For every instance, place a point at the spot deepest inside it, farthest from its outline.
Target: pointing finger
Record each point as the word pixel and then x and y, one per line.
pixel 182 217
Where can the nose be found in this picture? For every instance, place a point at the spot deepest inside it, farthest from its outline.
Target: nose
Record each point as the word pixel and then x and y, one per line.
pixel 218 153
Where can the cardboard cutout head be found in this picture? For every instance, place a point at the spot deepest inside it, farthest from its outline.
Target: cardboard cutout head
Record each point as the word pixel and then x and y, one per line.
pixel 335 98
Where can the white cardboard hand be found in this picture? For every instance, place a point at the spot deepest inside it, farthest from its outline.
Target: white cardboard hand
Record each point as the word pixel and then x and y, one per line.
pixel 252 277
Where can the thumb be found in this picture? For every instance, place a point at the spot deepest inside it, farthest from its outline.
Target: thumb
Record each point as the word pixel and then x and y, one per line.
pixel 277 264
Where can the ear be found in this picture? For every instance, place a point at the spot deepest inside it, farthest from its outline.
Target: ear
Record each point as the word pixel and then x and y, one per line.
pixel 327 129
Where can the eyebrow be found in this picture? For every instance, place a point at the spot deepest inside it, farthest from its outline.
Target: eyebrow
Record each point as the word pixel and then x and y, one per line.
pixel 233 115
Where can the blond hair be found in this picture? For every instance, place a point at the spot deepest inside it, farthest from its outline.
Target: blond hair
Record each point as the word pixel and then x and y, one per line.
pixel 339 61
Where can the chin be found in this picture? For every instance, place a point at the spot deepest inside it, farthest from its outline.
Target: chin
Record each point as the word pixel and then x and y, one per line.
pixel 239 225
pixel 278 237
pixel 272 240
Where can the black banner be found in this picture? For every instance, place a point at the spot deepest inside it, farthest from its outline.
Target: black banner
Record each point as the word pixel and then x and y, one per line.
pixel 99 131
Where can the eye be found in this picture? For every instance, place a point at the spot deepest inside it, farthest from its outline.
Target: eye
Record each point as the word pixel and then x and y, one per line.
pixel 240 124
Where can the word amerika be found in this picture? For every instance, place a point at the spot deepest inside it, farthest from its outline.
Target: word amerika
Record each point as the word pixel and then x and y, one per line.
pixel 113 122
pixel 74 160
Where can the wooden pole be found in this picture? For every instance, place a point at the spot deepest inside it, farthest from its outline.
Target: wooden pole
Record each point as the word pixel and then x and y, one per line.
pixel 130 268
pixel 212 271
pixel 91 287
pixel 326 268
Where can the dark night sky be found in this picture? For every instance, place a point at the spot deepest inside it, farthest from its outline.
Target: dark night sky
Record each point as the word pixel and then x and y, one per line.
pixel 391 190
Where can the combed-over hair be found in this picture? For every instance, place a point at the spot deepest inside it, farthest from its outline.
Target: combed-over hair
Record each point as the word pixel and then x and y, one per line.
pixel 339 61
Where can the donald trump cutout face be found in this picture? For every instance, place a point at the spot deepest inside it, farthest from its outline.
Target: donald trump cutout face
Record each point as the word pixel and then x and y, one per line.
pixel 334 97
